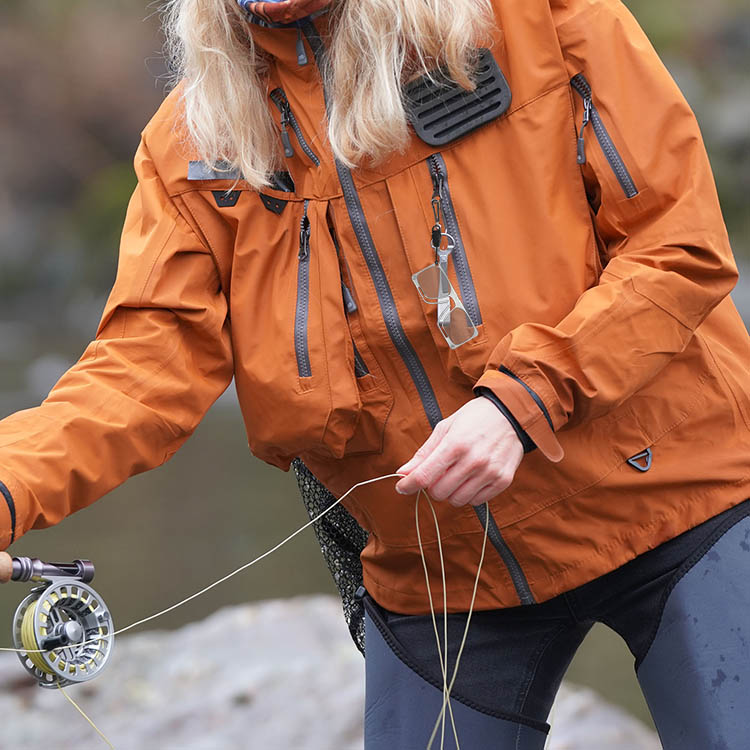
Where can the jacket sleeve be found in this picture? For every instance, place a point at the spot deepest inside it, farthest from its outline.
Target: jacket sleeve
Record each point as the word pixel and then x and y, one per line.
pixel 666 255
pixel 161 357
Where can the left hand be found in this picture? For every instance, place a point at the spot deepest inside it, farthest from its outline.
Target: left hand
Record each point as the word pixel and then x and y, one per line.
pixel 470 457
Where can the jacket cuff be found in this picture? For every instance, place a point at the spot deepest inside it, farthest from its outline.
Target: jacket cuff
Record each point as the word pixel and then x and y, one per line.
pixel 527 443
pixel 527 408
pixel 7 513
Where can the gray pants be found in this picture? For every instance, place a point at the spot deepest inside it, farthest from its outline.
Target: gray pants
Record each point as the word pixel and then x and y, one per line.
pixel 683 609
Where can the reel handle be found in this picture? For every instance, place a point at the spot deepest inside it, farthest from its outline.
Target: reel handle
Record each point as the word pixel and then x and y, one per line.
pixel 32 568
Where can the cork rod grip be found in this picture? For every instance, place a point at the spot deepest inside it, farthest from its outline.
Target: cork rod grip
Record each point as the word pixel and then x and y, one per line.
pixel 6 567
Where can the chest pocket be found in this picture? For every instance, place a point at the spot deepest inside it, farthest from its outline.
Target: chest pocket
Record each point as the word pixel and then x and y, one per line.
pixel 306 383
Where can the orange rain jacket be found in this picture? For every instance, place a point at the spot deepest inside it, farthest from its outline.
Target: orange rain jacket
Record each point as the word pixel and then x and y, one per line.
pixel 600 292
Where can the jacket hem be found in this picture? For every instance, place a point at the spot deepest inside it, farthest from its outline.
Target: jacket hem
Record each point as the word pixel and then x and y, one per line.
pixel 602 562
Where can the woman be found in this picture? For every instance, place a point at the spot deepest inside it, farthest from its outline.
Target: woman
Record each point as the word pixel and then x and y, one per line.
pixel 516 298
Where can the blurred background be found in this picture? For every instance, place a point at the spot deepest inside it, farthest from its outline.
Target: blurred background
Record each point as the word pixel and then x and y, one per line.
pixel 78 80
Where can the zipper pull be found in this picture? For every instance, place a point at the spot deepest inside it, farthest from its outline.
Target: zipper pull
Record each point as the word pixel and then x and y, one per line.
pixel 301 53
pixel 436 237
pixel 586 119
pixel 304 237
pixel 349 303
pixel 285 139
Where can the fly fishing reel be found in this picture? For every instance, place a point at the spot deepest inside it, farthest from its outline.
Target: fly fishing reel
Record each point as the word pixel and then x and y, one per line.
pixel 62 629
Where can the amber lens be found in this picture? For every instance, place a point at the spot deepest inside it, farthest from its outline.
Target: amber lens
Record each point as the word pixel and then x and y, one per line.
pixel 428 283
pixel 457 327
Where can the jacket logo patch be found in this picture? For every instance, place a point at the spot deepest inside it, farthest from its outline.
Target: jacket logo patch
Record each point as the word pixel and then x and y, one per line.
pixel 642 461
pixel 276 205
pixel 226 199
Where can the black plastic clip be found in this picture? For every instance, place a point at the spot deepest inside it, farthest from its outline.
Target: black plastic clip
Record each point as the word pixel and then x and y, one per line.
pixel 637 461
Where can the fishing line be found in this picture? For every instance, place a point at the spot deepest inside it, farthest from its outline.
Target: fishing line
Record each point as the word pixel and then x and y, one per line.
pixel 442 652
pixel 31 645
pixel 30 640
pixel 224 578
pixel 444 663
pixel 83 713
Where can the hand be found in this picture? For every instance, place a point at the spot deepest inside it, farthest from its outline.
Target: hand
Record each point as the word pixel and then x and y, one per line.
pixel 470 457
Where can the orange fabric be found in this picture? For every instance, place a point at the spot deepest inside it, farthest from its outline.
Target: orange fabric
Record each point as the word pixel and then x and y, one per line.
pixel 613 310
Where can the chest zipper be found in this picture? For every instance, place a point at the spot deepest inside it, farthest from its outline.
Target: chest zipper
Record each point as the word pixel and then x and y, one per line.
pixel 288 120
pixel 442 197
pixel 302 310
pixel 591 116
pixel 375 268
pixel 393 323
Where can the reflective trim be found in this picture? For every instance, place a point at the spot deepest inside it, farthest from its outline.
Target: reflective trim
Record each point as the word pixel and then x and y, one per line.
pixel 538 401
pixel 199 170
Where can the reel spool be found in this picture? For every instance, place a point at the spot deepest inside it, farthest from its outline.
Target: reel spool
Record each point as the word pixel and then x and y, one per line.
pixel 63 629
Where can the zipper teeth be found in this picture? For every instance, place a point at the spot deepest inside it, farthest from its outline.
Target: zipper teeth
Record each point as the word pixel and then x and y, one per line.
pixel 303 301
pixel 280 100
pixel 377 274
pixel 460 261
pixel 360 366
pixel 517 576
pixel 386 300
pixel 395 330
pixel 582 86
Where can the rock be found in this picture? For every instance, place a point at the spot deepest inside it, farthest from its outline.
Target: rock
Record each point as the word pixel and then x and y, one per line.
pixel 276 675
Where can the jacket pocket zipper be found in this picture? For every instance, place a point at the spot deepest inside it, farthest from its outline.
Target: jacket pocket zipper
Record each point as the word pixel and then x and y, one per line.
pixel 360 366
pixel 520 584
pixel 350 305
pixel 442 197
pixel 591 115
pixel 302 310
pixel 278 97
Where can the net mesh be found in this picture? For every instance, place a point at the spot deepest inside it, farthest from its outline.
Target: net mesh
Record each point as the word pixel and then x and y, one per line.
pixel 341 541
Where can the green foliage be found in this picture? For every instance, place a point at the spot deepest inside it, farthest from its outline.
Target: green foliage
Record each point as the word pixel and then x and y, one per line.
pixel 96 222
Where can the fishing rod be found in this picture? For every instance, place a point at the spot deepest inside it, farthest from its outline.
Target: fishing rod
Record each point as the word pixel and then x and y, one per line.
pixel 63 630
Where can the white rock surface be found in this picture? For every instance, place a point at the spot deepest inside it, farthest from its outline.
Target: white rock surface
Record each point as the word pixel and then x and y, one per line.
pixel 278 675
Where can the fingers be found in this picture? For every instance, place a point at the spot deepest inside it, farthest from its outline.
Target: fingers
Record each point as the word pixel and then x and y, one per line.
pixel 428 447
pixel 470 457
pixel 426 472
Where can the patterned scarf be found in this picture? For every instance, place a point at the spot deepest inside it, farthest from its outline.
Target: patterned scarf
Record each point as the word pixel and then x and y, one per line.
pixel 279 12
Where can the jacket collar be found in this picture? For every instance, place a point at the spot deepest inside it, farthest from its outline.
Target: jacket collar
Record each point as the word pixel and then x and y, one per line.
pixel 284 43
pixel 282 13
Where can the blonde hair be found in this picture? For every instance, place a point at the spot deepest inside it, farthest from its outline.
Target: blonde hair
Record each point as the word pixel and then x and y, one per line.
pixel 375 46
